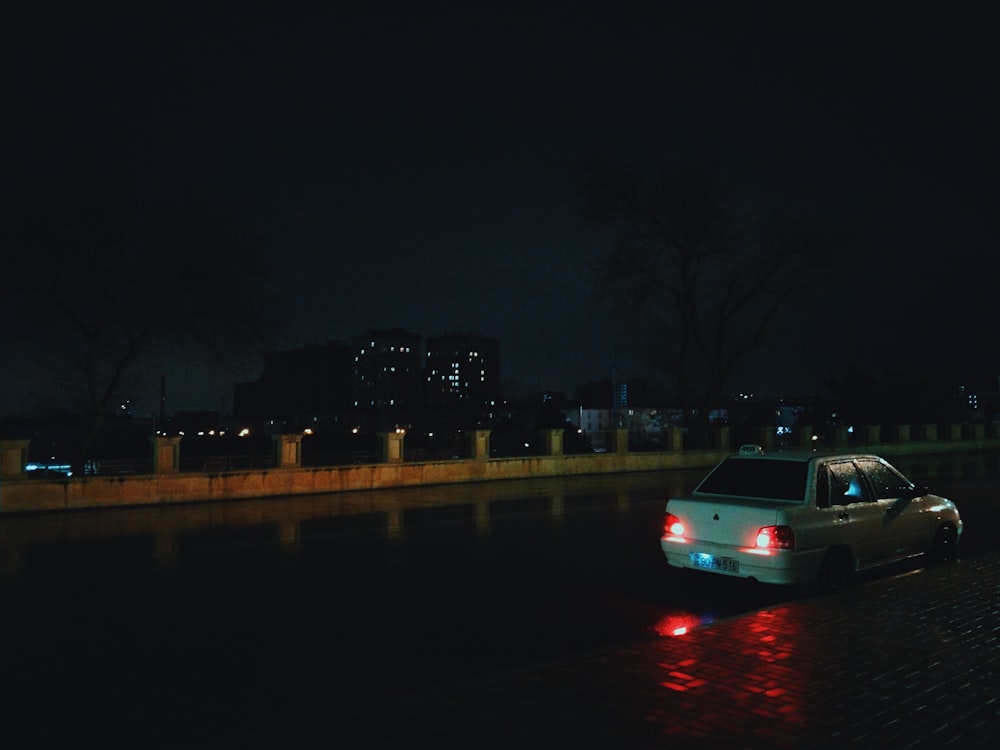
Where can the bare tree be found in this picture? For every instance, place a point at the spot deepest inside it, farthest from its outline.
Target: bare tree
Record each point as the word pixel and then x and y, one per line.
pixel 116 284
pixel 698 285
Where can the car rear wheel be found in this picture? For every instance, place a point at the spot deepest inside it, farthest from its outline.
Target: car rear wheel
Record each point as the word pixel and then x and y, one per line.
pixel 835 571
pixel 944 548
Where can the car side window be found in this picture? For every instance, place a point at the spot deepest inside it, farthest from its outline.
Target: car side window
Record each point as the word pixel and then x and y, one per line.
pixel 887 483
pixel 824 488
pixel 846 484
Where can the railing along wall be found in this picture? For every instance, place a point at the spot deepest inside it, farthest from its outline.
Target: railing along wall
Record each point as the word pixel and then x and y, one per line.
pixel 166 451
pixel 285 474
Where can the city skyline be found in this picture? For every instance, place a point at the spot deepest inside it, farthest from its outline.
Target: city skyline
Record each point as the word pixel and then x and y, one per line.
pixel 336 386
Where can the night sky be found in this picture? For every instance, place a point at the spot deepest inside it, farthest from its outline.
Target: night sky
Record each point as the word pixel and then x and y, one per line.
pixel 417 166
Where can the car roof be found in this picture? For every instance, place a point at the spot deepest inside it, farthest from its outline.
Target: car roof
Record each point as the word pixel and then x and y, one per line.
pixel 756 453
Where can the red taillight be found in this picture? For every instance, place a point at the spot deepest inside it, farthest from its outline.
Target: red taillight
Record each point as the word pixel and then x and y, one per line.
pixel 672 525
pixel 776 537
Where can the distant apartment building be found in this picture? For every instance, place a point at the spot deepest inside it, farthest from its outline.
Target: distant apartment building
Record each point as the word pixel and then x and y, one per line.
pixel 387 369
pixel 463 372
pixel 379 379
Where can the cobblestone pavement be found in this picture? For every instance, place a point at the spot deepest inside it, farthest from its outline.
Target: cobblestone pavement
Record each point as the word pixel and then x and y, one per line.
pixel 902 661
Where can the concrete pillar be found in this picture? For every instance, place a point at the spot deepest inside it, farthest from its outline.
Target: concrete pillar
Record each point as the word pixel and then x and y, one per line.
pixel 805 436
pixel 675 438
pixel 954 432
pixel 392 446
pixel 166 454
pixel 618 440
pixel 480 444
pixel 720 437
pixel 902 433
pixel 872 433
pixel 552 440
pixel 765 438
pixel 840 436
pixel 930 432
pixel 287 449
pixel 975 431
pixel 13 458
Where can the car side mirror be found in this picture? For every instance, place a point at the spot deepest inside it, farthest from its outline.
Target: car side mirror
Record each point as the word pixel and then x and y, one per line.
pixel 906 495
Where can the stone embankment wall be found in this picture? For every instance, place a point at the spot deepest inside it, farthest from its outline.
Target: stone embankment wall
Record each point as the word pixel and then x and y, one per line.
pixel 167 485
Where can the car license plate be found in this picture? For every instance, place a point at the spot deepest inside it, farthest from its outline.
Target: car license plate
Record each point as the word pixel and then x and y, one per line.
pixel 725 564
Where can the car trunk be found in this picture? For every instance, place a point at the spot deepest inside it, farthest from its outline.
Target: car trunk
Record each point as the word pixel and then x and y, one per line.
pixel 725 520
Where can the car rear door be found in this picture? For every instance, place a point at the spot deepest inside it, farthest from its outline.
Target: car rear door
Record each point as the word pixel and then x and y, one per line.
pixel 850 516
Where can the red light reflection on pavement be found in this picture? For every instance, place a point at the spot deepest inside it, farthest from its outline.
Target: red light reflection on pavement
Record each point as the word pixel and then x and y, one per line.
pixel 754 666
pixel 676 624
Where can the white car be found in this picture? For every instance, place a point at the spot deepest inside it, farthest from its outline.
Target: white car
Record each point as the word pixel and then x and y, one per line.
pixel 805 518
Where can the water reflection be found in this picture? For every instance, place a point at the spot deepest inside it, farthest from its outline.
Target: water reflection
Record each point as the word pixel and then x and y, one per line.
pixel 680 623
pixel 922 468
pixel 756 664
pixel 46 542
pixel 161 534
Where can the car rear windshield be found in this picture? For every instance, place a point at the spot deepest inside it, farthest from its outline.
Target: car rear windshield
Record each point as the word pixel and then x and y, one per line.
pixel 758 477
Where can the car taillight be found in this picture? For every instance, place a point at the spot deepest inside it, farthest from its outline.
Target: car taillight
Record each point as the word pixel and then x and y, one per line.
pixel 672 525
pixel 776 537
